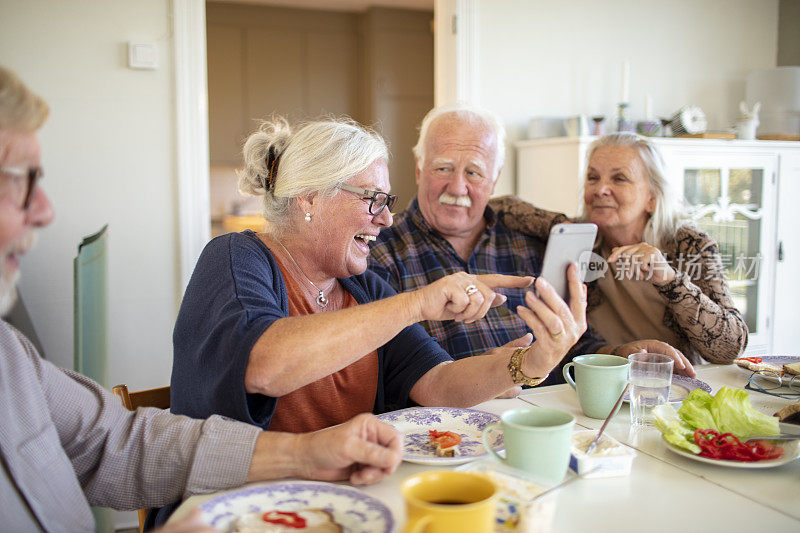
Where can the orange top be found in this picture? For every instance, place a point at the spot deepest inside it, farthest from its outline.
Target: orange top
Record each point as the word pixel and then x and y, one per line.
pixel 333 399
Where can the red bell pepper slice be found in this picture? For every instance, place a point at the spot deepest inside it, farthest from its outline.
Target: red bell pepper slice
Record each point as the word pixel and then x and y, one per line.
pixel 288 519
pixel 727 446
pixel 752 359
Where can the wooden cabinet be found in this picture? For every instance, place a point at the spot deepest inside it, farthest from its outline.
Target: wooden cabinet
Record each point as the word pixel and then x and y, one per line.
pixel 226 110
pixel 265 60
pixel 743 193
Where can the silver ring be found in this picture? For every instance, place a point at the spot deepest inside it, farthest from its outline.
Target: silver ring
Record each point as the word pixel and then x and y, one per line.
pixel 471 289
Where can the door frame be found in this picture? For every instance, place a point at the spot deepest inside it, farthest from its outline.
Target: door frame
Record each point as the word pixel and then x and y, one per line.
pixel 455 80
pixel 192 161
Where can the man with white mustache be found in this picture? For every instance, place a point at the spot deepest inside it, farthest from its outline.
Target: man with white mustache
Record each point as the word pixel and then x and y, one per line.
pixel 450 227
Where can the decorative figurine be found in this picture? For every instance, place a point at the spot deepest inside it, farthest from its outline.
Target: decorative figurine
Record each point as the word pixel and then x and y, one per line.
pixel 748 122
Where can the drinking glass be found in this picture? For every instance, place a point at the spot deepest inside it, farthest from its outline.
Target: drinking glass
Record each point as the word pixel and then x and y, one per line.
pixel 650 376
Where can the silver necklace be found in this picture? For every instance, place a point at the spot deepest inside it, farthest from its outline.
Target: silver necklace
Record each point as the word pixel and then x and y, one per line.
pixel 321 300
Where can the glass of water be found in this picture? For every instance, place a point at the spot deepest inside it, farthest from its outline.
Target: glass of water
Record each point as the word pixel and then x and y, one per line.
pixel 650 377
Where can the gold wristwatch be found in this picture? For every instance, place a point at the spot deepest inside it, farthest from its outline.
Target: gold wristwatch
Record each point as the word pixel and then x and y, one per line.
pixel 515 369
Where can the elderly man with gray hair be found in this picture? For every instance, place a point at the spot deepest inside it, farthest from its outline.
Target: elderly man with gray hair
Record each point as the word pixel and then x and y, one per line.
pixel 450 227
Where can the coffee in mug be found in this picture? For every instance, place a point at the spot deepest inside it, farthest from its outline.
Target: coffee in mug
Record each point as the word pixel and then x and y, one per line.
pixel 443 501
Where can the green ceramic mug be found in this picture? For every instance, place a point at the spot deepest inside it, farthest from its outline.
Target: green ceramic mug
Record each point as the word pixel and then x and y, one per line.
pixel 599 380
pixel 537 440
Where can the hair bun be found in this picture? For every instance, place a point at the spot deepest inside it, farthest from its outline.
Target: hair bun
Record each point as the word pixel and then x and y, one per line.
pixel 262 152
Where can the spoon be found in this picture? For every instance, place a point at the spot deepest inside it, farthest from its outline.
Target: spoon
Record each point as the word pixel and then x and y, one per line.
pixel 608 418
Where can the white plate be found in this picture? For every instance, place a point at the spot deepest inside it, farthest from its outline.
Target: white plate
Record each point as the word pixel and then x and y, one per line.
pixel 352 509
pixel 680 388
pixel 775 360
pixel 414 424
pixel 791 451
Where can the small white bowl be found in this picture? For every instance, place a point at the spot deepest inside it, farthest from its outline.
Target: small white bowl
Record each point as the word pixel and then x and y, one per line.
pixel 518 507
pixel 609 459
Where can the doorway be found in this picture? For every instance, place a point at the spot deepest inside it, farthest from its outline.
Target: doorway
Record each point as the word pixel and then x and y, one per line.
pixel 375 66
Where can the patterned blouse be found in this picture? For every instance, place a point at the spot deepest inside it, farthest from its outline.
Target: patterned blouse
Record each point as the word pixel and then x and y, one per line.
pixel 699 307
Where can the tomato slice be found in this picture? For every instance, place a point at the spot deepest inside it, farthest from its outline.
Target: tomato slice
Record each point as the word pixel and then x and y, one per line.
pixel 445 439
pixel 752 359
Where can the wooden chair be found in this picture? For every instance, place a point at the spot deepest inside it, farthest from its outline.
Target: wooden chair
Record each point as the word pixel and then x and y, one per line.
pixel 158 397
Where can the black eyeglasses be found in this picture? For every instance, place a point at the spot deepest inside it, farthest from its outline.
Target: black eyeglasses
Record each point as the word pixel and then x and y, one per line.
pixel 377 199
pixel 769 382
pixel 23 181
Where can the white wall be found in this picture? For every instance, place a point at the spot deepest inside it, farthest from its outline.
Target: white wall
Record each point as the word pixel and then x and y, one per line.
pixel 547 57
pixel 108 157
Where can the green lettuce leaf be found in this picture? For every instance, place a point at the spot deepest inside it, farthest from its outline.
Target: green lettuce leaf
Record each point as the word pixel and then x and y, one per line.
pixel 696 410
pixel 733 412
pixel 673 429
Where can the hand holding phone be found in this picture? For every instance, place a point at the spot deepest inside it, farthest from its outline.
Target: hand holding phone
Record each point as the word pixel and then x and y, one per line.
pixel 566 244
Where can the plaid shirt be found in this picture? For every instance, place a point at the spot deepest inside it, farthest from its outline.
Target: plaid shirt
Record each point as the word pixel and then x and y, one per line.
pixel 411 254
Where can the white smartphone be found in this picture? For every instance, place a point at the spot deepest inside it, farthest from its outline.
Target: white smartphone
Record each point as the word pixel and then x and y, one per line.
pixel 567 244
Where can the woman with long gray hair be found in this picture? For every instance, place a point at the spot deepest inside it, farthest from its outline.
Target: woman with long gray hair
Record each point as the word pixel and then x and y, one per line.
pixel 665 278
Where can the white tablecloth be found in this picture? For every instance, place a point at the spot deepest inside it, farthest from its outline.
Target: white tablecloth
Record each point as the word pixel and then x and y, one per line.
pixel 665 492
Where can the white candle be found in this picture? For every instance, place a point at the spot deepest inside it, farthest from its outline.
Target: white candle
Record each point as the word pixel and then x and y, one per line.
pixel 648 107
pixel 626 74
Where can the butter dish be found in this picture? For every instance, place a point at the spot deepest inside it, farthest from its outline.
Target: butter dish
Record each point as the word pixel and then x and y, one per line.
pixel 609 459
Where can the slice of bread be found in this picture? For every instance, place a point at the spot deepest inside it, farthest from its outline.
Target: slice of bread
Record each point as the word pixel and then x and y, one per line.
pixel 789 414
pixel 792 368
pixel 755 367
pixel 450 451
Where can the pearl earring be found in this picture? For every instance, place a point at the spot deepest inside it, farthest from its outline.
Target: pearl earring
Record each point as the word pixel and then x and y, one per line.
pixel 308 217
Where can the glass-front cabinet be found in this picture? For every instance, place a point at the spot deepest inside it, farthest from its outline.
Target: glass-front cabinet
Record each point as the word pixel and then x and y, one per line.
pixel 732 198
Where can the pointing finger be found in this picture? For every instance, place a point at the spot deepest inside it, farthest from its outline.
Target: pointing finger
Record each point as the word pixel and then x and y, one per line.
pixel 505 281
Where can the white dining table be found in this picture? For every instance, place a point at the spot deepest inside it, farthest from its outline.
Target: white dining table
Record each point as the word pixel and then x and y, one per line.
pixel 664 491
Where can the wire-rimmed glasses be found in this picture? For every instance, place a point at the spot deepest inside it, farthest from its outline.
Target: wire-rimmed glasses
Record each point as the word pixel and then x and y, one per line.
pixel 377 199
pixel 24 181
pixel 769 382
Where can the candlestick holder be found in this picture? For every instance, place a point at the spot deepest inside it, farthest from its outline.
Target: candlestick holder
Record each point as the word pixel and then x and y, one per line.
pixel 599 125
pixel 623 124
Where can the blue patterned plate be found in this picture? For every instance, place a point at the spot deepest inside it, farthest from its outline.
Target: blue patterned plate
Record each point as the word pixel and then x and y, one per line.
pixel 414 424
pixel 355 511
pixel 680 388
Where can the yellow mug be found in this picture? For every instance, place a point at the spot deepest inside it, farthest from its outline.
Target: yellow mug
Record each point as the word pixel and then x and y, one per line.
pixel 444 501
